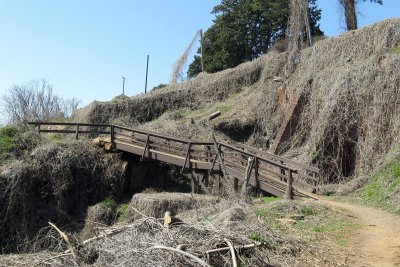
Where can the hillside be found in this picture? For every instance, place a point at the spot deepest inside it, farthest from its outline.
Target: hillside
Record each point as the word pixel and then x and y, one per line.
pixel 348 87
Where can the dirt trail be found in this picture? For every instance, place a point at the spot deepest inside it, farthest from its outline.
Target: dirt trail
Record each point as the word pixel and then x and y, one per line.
pixel 376 242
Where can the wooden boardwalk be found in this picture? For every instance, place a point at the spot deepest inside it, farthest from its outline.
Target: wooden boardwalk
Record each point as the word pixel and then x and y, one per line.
pixel 201 160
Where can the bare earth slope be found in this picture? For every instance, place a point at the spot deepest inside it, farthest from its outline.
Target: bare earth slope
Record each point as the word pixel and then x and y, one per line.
pixel 376 242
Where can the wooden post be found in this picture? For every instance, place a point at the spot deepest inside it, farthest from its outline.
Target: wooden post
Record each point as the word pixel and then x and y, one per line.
pixel 187 157
pixel 195 179
pixel 235 184
pixel 206 178
pixel 38 128
pixel 217 182
pixel 289 189
pixel 282 172
pixel 77 132
pixel 315 183
pixel 112 136
pixel 247 175
pixel 256 172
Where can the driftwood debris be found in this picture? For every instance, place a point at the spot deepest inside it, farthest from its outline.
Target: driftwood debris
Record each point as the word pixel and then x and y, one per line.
pixel 232 251
pixel 184 253
pixel 249 246
pixel 71 247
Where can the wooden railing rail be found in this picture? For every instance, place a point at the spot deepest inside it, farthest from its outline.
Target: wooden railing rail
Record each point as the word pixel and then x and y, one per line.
pixel 269 172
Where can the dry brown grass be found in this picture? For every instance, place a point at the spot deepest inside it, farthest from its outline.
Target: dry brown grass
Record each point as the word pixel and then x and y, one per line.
pixel 351 84
pixel 56 182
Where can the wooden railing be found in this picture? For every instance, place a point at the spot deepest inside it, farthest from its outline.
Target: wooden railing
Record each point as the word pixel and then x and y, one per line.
pixel 268 172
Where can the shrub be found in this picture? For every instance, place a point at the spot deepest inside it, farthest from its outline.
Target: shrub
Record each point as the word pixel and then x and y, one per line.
pixel 122 212
pixel 306 210
pixel 109 203
pixel 8 140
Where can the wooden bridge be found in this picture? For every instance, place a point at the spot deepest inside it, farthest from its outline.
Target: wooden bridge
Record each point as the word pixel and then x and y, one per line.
pixel 201 160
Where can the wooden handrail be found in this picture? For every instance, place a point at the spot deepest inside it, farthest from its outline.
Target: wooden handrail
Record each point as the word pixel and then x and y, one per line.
pixel 68 124
pixel 158 143
pixel 277 157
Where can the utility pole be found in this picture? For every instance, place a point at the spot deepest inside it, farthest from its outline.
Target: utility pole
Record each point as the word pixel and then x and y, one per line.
pixel 147 72
pixel 201 50
pixel 123 85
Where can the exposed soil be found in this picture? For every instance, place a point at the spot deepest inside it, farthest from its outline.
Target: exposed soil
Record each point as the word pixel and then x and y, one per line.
pixel 376 241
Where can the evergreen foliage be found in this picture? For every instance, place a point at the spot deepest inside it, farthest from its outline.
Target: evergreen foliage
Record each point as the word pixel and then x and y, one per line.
pixel 245 29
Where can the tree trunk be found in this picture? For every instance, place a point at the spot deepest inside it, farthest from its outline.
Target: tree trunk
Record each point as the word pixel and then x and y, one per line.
pixel 350 14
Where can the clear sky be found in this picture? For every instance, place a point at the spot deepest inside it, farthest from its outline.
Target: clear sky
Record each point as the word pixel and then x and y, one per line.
pixel 84 47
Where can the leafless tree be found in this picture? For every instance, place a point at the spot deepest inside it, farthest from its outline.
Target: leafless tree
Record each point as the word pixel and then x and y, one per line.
pixel 35 100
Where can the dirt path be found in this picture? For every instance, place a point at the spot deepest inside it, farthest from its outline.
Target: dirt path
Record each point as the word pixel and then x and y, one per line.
pixel 376 242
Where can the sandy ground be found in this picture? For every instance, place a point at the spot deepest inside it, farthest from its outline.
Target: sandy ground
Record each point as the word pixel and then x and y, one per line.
pixel 376 241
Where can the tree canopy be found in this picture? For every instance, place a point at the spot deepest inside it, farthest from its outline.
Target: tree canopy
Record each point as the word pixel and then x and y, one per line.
pixel 245 29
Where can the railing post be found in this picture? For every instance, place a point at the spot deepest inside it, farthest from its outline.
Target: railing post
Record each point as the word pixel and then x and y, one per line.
pixel 146 146
pixel 256 175
pixel 77 132
pixel 217 181
pixel 282 171
pixel 315 183
pixel 38 128
pixel 289 189
pixel 112 136
pixel 187 157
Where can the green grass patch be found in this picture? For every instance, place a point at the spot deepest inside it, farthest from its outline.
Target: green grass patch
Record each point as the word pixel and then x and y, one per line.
pixel 396 170
pixel 179 114
pixel 55 137
pixel 255 236
pixel 122 212
pixel 332 225
pixel 381 188
pixel 396 50
pixel 223 109
pixel 307 210
pixel 270 199
pixel 8 140
pixel 305 220
pixel 108 203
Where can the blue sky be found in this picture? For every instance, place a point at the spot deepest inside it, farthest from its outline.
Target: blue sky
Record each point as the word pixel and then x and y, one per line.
pixel 84 47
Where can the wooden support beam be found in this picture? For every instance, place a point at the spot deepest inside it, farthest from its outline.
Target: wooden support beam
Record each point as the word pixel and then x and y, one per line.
pixel 217 183
pixel 289 189
pixel 202 185
pixel 77 132
pixel 146 146
pixel 187 157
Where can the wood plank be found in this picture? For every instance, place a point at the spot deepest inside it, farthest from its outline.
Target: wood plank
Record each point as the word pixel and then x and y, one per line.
pixel 164 157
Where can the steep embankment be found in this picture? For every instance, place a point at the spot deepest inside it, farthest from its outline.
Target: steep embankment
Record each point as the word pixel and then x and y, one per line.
pixel 349 91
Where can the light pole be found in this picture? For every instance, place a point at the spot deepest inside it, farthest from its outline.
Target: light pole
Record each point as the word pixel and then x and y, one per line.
pixel 147 72
pixel 123 85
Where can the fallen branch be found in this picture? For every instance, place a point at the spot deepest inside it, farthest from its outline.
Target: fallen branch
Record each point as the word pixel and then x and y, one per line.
pixel 184 253
pixel 232 250
pixel 69 244
pixel 249 246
